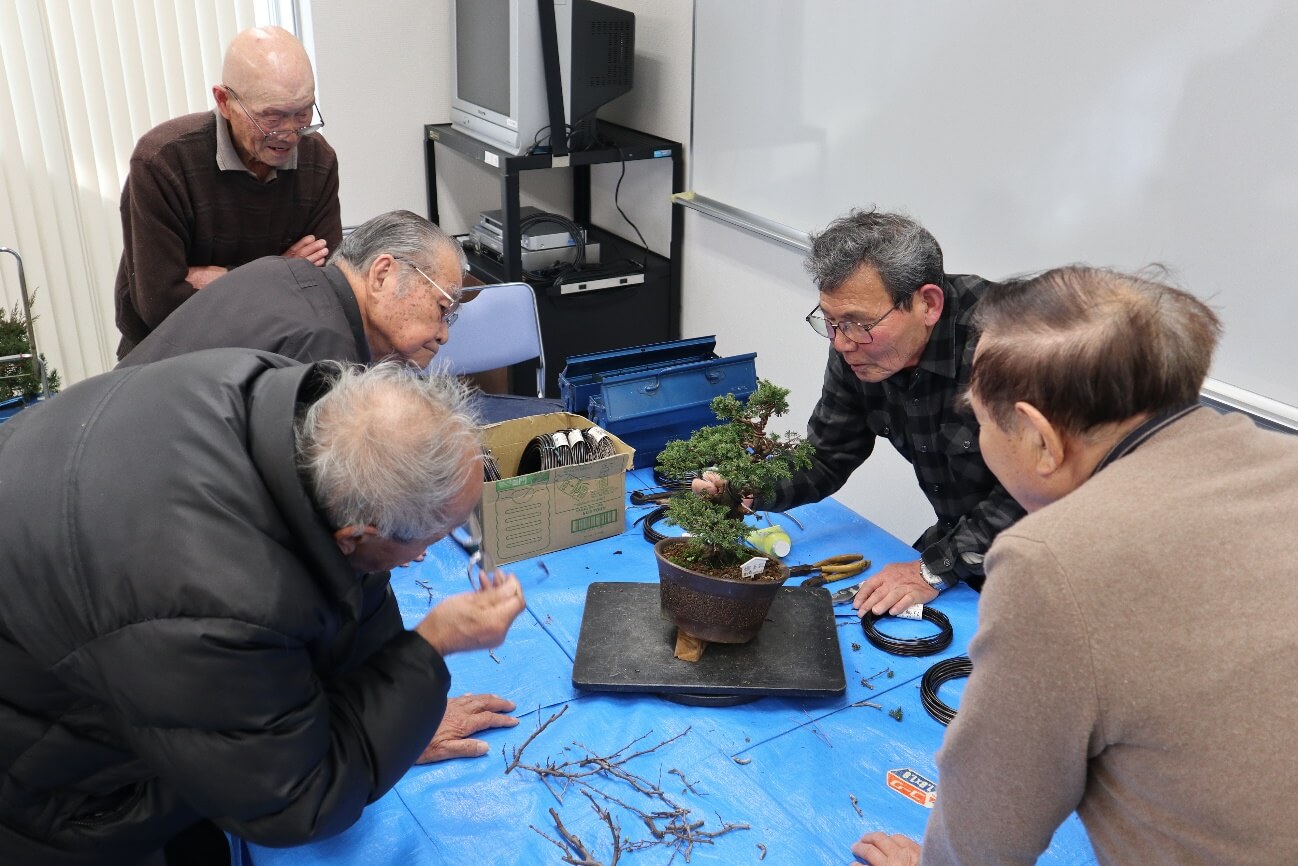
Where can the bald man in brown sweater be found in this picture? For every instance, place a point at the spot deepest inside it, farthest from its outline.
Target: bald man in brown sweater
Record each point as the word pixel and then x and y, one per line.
pixel 1136 647
pixel 211 191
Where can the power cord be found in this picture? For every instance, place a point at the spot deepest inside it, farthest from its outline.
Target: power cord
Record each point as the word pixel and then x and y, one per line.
pixel 910 646
pixel 944 671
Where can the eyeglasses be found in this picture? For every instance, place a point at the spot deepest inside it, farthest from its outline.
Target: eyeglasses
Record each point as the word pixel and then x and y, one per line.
pixel 300 132
pixel 854 331
pixel 449 314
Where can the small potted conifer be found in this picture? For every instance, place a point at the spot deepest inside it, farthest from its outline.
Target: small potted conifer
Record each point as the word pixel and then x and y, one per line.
pixel 703 587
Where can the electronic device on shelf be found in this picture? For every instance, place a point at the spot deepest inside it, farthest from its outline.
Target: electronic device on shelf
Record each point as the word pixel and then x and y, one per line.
pixel 498 69
pixel 544 243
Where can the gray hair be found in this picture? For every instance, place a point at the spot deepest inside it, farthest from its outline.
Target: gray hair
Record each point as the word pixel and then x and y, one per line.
pixel 900 250
pixel 385 447
pixel 401 234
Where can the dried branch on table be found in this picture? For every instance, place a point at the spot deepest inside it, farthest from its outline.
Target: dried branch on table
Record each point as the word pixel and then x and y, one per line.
pixel 670 823
pixel 686 782
pixel 426 587
pixel 856 805
pixel 865 681
pixel 815 730
pixel 761 848
pixel 518 753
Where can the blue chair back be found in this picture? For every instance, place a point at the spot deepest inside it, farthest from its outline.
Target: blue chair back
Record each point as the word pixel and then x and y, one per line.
pixel 499 327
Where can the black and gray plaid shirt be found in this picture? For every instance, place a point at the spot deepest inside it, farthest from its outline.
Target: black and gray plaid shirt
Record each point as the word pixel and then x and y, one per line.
pixel 915 411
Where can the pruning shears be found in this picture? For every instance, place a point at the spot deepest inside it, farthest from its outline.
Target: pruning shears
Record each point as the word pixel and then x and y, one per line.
pixel 833 568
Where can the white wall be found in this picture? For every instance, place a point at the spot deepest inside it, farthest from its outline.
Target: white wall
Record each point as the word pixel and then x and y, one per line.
pixel 383 71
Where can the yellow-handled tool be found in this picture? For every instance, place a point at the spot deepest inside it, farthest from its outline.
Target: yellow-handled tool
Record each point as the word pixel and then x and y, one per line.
pixel 833 568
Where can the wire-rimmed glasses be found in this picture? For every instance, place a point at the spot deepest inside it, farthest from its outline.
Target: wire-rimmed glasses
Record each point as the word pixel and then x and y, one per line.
pixel 300 132
pixel 857 332
pixel 449 314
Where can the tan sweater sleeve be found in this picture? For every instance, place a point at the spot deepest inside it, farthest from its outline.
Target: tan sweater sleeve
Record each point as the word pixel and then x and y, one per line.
pixel 1013 764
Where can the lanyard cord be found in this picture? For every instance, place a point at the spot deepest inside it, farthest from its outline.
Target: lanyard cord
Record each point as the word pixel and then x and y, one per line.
pixel 1141 434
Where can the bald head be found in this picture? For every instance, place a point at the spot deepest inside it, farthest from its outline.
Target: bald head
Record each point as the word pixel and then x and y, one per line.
pixel 267 66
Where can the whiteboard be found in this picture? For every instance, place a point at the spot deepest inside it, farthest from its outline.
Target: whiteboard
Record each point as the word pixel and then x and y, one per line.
pixel 1028 135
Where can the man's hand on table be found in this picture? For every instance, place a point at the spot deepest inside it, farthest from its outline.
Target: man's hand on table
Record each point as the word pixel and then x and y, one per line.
pixel 896 587
pixel 200 277
pixel 475 620
pixel 465 716
pixel 880 849
pixel 314 250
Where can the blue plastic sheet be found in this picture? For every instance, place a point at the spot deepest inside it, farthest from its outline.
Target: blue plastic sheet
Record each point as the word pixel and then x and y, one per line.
pixel 786 768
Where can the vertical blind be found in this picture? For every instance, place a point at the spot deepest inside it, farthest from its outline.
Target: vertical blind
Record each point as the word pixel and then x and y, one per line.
pixel 80 82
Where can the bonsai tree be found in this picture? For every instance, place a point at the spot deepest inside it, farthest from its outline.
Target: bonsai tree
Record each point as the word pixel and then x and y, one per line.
pixel 18 377
pixel 750 458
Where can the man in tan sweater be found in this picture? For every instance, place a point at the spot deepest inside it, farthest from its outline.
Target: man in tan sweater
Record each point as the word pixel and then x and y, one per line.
pixel 1137 644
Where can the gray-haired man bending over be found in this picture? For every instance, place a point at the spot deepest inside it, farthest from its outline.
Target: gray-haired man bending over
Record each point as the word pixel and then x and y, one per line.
pixel 195 616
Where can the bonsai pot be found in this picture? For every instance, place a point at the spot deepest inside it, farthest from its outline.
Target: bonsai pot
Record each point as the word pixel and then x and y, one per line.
pixel 716 609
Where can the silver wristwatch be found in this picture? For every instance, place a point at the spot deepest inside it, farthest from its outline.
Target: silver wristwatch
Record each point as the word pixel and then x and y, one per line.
pixel 930 578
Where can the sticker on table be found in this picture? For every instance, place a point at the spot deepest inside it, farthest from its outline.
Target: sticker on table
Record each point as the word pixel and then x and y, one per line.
pixel 913 786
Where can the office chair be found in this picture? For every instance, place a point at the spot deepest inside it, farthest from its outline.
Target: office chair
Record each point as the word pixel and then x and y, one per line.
pixel 499 327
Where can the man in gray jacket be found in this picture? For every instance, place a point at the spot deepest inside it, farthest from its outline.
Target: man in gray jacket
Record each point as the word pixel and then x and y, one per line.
pixel 390 290
pixel 1136 645
pixel 195 616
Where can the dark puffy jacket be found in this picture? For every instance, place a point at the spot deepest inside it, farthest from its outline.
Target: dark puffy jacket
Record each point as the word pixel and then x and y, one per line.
pixel 179 634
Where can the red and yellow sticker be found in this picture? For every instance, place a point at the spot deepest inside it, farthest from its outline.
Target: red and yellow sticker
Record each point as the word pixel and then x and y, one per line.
pixel 913 786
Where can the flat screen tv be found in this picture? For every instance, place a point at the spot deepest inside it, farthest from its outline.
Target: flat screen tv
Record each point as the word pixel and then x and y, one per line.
pixel 498 69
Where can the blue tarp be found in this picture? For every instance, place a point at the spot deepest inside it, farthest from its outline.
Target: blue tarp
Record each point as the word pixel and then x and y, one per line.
pixel 787 768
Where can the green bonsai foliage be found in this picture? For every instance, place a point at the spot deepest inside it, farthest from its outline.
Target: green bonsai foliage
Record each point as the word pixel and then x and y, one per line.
pixel 17 378
pixel 752 461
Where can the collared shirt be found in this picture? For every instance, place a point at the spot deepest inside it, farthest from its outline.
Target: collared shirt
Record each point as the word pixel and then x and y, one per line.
pixel 227 155
pixel 915 410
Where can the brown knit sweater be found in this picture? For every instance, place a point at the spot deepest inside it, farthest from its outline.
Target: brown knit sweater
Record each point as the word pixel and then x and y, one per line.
pixel 180 211
pixel 1135 660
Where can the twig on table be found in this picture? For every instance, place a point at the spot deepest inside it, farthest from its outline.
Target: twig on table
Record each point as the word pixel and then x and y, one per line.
pixel 492 653
pixel 518 752
pixel 856 805
pixel 815 730
pixel 426 587
pixel 686 782
pixel 671 824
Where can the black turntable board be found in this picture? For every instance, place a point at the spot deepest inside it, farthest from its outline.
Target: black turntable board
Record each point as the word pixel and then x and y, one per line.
pixel 626 646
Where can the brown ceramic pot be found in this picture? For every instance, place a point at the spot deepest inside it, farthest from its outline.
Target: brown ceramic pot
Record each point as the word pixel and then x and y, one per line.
pixel 716 609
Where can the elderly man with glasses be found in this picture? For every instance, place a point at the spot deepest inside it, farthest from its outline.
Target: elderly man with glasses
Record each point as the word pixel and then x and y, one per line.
pixel 390 290
pixel 210 191
pixel 901 349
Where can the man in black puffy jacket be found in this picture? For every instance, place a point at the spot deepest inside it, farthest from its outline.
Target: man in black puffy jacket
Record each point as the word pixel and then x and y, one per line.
pixel 195 617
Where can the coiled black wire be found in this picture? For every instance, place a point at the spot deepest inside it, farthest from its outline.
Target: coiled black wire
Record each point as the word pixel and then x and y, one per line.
pixel 910 646
pixel 598 443
pixel 490 469
pixel 944 671
pixel 566 447
pixel 651 535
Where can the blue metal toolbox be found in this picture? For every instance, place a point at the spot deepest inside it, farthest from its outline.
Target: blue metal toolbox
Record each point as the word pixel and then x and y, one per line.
pixel 648 395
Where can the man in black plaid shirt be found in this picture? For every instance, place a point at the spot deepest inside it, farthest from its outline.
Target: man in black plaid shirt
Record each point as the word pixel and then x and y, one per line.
pixel 901 352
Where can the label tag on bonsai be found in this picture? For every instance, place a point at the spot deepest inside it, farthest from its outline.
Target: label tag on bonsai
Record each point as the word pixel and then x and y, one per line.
pixel 915 611
pixel 753 567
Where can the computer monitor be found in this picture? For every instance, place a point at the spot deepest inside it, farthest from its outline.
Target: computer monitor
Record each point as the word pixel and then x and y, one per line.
pixel 498 69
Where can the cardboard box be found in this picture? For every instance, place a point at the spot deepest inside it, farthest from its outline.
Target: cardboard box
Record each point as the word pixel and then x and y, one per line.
pixel 527 515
